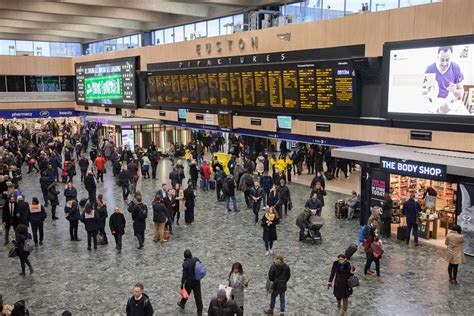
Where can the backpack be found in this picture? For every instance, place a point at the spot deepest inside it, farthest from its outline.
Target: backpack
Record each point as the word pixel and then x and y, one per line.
pixel 366 232
pixel 199 271
pixel 225 187
pixel 361 234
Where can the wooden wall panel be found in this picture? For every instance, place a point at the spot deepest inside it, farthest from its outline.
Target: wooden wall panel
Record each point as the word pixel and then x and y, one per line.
pixel 38 105
pixel 28 65
pixel 457 17
pixel 355 28
pixel 401 24
pixel 428 21
pixel 299 127
pixel 377 33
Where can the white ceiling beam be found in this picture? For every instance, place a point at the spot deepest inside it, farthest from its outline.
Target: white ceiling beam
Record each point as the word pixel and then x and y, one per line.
pixel 101 30
pixel 17 30
pixel 37 37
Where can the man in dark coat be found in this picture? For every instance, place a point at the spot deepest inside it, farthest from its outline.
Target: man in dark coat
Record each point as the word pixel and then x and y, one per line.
pixel 91 186
pixel 189 282
pixel 139 214
pixel 139 304
pixel 174 177
pixel 411 209
pixel 279 274
pixel 189 197
pixel 83 165
pixel 221 306
pixel 117 224
pixel 10 217
pixel 124 181
pixel 101 209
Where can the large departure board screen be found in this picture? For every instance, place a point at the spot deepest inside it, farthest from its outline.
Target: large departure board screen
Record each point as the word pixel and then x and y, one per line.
pixel 308 87
pixel 110 82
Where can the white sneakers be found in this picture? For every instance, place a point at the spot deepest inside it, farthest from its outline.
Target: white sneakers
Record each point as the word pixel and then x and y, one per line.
pixel 266 253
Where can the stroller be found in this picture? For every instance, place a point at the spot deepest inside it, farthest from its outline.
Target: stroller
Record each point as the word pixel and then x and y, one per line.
pixel 313 229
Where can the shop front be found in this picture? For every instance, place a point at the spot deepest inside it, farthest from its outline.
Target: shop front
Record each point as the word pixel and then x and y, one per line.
pixel 436 178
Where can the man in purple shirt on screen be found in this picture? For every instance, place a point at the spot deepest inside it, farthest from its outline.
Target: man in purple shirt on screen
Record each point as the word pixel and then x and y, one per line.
pixel 448 76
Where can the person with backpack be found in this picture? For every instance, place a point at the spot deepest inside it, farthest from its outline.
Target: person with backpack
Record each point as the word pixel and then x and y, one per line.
pixel 369 238
pixel 279 275
pixel 341 270
pixel 73 216
pixel 21 236
pixel 193 272
pixel 91 222
pixel 228 187
pixel 219 177
pixel 246 185
pixel 139 212
pixel 139 304
pixel 36 217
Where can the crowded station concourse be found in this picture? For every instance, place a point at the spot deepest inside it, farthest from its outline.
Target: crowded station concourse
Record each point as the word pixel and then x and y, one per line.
pixel 247 167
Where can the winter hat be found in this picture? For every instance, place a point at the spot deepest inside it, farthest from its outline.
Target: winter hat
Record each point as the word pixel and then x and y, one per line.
pixel 221 294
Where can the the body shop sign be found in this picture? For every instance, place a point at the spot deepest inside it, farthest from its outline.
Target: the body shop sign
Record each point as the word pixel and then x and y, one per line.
pixel 415 169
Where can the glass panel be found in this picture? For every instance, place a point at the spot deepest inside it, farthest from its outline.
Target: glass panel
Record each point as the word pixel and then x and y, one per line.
pixel 213 28
pixel 201 29
pixel 226 25
pixel 15 83
pixel 134 41
pixel 239 20
pixel 355 6
pixel 57 49
pixel 120 43
pixel 333 9
pixel 179 34
pixel 51 84
pixel 41 48
pixel 67 83
pixel 140 40
pixel 34 84
pixel 24 46
pixel 169 35
pixel 100 47
pixel 188 30
pixel 75 49
pixel 126 42
pixel 159 38
pixel 380 5
pixel 7 47
pixel 407 3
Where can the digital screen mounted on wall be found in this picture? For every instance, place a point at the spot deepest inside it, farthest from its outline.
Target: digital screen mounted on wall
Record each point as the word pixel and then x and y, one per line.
pixel 434 80
pixel 284 122
pixel 109 82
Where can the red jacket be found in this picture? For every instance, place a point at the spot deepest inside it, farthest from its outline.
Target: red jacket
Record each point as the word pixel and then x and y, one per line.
pixel 100 163
pixel 206 171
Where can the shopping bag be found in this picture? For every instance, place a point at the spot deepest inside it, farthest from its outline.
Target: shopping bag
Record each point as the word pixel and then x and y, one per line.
pixel 228 290
pixel 184 293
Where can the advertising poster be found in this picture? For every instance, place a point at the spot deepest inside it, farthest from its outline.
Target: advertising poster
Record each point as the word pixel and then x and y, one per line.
pixel 128 138
pixel 432 80
pixel 466 217
pixel 378 186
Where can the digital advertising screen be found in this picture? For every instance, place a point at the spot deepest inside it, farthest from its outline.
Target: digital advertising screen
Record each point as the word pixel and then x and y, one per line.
pixel 284 122
pixel 435 80
pixel 128 138
pixel 109 82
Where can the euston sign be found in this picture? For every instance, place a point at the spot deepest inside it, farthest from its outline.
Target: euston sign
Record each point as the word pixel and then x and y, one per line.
pixel 416 169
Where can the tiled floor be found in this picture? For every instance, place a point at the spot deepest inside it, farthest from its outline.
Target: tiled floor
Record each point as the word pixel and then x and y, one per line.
pixel 67 276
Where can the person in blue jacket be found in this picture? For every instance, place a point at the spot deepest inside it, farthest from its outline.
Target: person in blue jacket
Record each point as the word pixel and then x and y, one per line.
pixel 90 218
pixel 411 209
pixel 36 217
pixel 73 216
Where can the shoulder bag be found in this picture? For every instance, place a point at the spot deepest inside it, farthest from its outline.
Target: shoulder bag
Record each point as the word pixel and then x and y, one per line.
pixel 353 281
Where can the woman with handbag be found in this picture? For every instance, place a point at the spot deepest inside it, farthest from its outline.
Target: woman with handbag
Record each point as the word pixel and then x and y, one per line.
pixel 342 271
pixel 21 236
pixel 238 282
pixel 269 221
pixel 454 252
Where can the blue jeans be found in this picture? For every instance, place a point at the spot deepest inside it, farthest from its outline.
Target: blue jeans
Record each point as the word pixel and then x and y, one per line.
pixel 411 226
pixel 268 245
pixel 282 300
pixel 205 184
pixel 227 202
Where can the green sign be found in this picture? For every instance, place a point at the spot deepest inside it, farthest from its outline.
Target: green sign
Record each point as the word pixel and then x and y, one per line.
pixel 107 87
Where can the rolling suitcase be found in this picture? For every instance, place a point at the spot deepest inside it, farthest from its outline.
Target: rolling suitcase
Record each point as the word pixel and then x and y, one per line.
pixel 212 184
pixel 338 208
pixel 350 251
pixel 401 233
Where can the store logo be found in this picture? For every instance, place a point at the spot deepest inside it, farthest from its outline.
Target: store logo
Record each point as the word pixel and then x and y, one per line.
pixel 44 113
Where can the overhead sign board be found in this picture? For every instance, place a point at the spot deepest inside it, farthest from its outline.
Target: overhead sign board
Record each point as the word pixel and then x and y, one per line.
pixel 411 168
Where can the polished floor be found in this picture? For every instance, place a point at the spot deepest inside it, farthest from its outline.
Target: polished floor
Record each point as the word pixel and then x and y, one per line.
pixel 68 277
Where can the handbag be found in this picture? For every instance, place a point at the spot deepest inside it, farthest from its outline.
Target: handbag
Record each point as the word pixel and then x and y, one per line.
pixel 29 245
pixel 100 239
pixel 290 205
pixel 13 252
pixel 353 281
pixel 269 286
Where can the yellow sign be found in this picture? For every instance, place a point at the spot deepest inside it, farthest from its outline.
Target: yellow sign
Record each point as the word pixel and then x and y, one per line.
pixel 224 160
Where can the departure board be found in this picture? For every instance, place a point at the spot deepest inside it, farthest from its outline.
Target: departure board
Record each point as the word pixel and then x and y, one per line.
pixel 160 89
pixel 324 88
pixel 167 89
pixel 290 88
pixel 213 82
pixel 203 89
pixel 276 92
pixel 344 82
pixel 307 86
pixel 248 88
pixel 153 95
pixel 224 88
pixel 176 89
pixel 183 84
pixel 193 89
pixel 261 88
pixel 235 88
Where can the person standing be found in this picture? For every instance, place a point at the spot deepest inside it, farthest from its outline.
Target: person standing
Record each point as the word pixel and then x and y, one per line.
pixel 83 166
pixel 21 235
pixel 73 216
pixel 124 181
pixel 101 209
pixel 139 304
pixel 91 222
pixel 70 192
pixel 44 183
pixel 189 203
pixel 117 224
pixel 319 190
pixel 53 199
pixel 279 274
pixel 154 157
pixel 454 252
pixel 189 281
pixel 179 198
pixel 387 208
pixel 340 273
pixel 238 282
pixel 91 186
pixel 99 163
pixel 139 214
pixel 206 175
pixel 170 203
pixel 411 209
pixel 222 306
pixel 267 183
pixel 193 173
pixel 285 197
pixel 146 167
pixel 228 187
pixel 372 256
pixel 269 221
pixel 10 217
pixel 256 196
pixel 159 219
pixel 36 217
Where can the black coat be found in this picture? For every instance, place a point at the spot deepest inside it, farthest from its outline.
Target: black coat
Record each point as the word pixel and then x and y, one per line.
pixel 229 308
pixel 91 224
pixel 320 193
pixel 189 197
pixel 269 231
pixel 141 307
pixel 72 211
pixel 53 195
pixel 117 223
pixel 139 215
pixel 102 212
pixel 159 212
pixel 90 184
pixel 342 274
pixel 6 216
pixel 279 275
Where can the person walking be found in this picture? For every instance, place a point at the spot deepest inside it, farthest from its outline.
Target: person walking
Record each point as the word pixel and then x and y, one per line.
pixel 454 252
pixel 73 216
pixel 189 281
pixel 44 184
pixel 273 200
pixel 159 219
pixel 205 175
pixel 222 306
pixel 179 198
pixel 189 203
pixel 318 189
pixel 371 255
pixel 117 224
pixel 139 214
pixel 83 166
pixel 91 187
pixel 146 167
pixel 269 221
pixel 53 199
pixel 99 163
pixel 285 196
pixel 124 181
pixel 139 304
pixel 228 188
pixel 340 273
pixel 193 173
pixel 91 222
pixel 10 217
pixel 170 203
pixel 70 192
pixel 21 236
pixel 101 209
pixel 36 217
pixel 238 281
pixel 411 210
pixel 279 275
pixel 256 196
